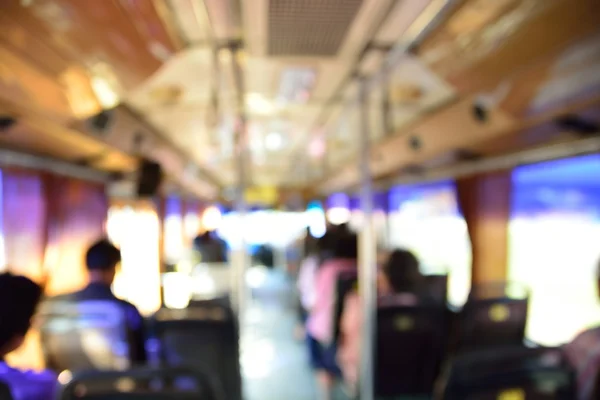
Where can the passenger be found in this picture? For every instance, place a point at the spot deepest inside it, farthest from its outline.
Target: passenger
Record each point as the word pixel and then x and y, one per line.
pixel 584 355
pixel 211 248
pixel 307 281
pixel 399 277
pixel 102 259
pixel 320 321
pixel 19 298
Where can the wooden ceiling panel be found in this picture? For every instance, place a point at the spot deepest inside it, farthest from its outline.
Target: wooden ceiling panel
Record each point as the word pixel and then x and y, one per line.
pixel 558 24
pixel 90 32
pixel 25 86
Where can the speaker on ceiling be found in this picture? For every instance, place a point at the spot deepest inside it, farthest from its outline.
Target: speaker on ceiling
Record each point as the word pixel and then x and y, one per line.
pixel 101 122
pixel 6 122
pixel 150 177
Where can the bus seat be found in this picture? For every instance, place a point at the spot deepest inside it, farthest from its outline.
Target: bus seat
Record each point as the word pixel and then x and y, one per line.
pixel 143 383
pixel 410 347
pixel 203 336
pixel 346 282
pixel 495 314
pixel 492 322
pixel 5 391
pixel 83 335
pixel 436 287
pixel 513 372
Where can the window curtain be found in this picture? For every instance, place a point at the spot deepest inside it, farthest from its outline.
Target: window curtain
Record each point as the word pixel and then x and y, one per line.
pixel 24 223
pixel 77 212
pixel 48 222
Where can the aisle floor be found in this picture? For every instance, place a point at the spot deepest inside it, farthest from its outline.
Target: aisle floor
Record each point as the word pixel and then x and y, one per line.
pixel 274 364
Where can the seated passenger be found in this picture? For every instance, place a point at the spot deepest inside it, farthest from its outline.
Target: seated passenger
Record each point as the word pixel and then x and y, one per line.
pixel 399 277
pixel 19 298
pixel 584 355
pixel 102 259
pixel 320 321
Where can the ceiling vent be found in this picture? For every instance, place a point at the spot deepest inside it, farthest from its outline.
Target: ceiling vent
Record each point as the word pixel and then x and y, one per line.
pixel 309 27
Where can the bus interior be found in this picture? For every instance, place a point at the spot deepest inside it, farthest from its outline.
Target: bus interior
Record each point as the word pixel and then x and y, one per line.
pixel 227 147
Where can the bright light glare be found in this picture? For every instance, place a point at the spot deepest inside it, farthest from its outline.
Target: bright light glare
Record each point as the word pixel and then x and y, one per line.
pixel 255 277
pixel 137 233
pixel 191 224
pixel 274 141
pixel 316 222
pixel 338 215
pixel 258 104
pixel 177 290
pixel 107 97
pixel 211 218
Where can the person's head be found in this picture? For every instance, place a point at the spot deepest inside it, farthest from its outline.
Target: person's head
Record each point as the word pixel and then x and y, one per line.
pixel 101 260
pixel 401 271
pixel 19 297
pixel 346 247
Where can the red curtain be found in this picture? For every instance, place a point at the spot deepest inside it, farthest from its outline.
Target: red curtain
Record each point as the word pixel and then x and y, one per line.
pixel 47 224
pixel 77 212
pixel 24 222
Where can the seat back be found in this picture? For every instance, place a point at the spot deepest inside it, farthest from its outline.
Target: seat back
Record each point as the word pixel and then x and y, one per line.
pixel 436 287
pixel 511 372
pixel 410 346
pixel 346 282
pixel 492 322
pixel 143 383
pixel 84 335
pixel 5 393
pixel 203 336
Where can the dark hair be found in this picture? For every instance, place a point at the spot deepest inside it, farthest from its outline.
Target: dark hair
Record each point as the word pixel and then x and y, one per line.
pixel 102 255
pixel 19 297
pixel 402 271
pixel 346 247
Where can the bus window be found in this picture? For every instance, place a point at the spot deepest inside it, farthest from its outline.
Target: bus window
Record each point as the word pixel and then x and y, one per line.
pixel 425 219
pixel 553 239
pixel 136 229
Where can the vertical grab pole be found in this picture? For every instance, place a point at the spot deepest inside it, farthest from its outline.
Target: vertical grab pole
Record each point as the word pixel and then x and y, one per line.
pixel 367 257
pixel 240 255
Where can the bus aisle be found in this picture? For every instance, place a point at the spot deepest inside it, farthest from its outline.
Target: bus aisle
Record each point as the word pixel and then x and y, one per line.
pixel 275 366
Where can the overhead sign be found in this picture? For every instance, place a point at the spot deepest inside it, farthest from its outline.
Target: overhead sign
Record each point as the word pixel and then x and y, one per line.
pixel 264 195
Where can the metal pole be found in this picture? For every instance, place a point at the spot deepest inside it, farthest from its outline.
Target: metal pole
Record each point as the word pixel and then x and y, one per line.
pixel 367 257
pixel 240 255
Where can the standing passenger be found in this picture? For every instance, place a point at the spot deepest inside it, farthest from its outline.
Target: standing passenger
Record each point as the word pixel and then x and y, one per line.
pixel 320 321
pixel 19 298
pixel 102 259
pixel 584 355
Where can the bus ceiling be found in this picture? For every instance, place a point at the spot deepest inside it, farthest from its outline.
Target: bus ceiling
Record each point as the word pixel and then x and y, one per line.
pixel 452 87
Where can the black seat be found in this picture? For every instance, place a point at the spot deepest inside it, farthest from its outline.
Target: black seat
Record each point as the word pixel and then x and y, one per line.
pixel 436 287
pixel 345 283
pixel 84 335
pixel 410 347
pixel 203 336
pixel 143 383
pixel 514 372
pixel 494 315
pixel 5 391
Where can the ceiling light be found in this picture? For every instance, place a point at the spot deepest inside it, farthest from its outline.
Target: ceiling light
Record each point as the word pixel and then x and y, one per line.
pixel 274 141
pixel 258 104
pixel 105 94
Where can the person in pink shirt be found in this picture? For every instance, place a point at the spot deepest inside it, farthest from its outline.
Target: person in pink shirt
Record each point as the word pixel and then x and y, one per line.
pixel 343 257
pixel 399 280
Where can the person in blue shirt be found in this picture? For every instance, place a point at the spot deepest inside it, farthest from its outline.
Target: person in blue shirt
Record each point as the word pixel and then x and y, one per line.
pixel 19 297
pixel 102 259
